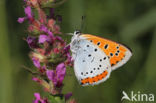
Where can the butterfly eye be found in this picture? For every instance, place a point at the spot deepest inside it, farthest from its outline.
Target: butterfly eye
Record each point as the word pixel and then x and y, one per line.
pixel 77 32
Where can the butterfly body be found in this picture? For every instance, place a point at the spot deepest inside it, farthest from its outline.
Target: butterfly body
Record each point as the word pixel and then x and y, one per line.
pixel 95 57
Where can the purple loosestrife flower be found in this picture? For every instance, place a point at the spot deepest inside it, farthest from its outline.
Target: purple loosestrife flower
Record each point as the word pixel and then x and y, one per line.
pixel 49 50
pixel 21 19
pixel 67 53
pixel 43 38
pixel 67 96
pixel 39 99
pixel 57 76
pixel 32 42
pixel 45 30
pixel 36 62
pixel 28 12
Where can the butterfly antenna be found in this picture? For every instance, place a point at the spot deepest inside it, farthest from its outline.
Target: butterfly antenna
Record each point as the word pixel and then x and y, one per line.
pixel 82 23
pixel 69 34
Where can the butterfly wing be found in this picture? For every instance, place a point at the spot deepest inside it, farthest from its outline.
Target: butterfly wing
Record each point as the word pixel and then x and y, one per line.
pixel 117 53
pixel 91 64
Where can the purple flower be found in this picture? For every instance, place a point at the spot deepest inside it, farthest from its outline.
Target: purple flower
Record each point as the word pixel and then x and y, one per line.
pixel 21 19
pixel 67 96
pixel 61 71
pixel 52 76
pixel 44 28
pixel 59 38
pixel 32 42
pixel 67 53
pixel 36 62
pixel 28 12
pixel 58 76
pixel 43 38
pixel 38 99
pixel 50 34
pixel 67 48
pixel 51 12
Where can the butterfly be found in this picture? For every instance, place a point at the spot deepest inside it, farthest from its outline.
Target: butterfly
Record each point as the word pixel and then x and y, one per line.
pixel 95 57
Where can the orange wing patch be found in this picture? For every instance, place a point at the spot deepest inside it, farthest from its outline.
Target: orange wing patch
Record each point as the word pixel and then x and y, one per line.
pixel 114 51
pixel 92 80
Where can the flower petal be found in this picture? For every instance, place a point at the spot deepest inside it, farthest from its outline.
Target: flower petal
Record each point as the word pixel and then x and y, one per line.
pixel 43 38
pixel 32 42
pixel 61 72
pixel 36 62
pixel 21 19
pixel 27 11
pixel 37 96
pixel 68 95
pixel 44 28
pixel 51 76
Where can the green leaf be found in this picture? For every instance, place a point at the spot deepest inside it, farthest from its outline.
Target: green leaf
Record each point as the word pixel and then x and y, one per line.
pixel 56 99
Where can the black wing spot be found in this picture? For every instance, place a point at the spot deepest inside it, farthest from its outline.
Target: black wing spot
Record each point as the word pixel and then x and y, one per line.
pixel 98 43
pixel 117 47
pixel 91 71
pixel 94 68
pixel 86 72
pixel 116 54
pixel 81 73
pixel 83 61
pixel 100 60
pixel 89 55
pixel 104 58
pixel 98 68
pixel 99 65
pixel 108 57
pixel 111 54
pixel 91 40
pixel 87 45
pixel 106 46
pixel 112 64
pixel 118 51
pixel 95 50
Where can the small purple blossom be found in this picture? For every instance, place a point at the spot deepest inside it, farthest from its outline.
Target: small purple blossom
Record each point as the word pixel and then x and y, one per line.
pixel 61 72
pixel 67 48
pixel 32 42
pixel 68 95
pixel 28 12
pixel 43 38
pixel 44 28
pixel 59 38
pixel 51 12
pixel 36 62
pixel 52 76
pixel 58 76
pixel 21 19
pixel 50 34
pixel 38 99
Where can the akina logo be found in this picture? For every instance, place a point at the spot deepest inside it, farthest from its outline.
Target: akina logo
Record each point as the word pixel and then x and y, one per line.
pixel 138 96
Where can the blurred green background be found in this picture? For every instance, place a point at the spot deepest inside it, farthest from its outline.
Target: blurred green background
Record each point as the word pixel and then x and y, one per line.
pixel 132 22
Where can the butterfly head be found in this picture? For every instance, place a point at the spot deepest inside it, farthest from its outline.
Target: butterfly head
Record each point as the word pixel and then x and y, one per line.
pixel 77 32
pixel 75 40
pixel 76 35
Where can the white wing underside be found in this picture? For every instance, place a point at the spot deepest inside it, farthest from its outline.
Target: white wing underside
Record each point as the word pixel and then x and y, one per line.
pixel 87 61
